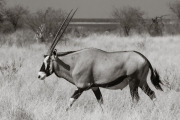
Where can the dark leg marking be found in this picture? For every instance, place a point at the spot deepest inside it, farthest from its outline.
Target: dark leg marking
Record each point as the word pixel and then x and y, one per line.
pixel 74 97
pixel 133 84
pixel 148 91
pixel 76 94
pixel 98 95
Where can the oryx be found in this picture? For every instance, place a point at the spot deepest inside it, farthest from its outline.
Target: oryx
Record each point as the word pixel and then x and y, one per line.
pixel 93 68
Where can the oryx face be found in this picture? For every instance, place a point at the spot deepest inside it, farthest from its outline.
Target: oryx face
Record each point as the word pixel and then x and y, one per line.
pixel 46 68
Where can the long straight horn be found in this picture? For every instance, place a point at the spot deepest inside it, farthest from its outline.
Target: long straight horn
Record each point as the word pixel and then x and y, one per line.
pixel 66 26
pixel 56 36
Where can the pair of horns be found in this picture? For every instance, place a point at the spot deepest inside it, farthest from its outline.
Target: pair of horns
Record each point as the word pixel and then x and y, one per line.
pixel 60 31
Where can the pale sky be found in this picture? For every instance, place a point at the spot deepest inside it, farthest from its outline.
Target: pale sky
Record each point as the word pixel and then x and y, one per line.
pixel 97 8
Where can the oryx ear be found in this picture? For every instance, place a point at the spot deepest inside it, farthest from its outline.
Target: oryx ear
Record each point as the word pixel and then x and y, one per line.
pixel 55 52
pixel 45 56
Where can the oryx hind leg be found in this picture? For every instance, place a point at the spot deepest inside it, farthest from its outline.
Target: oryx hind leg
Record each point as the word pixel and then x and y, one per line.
pixel 133 85
pixel 74 97
pixel 144 86
pixel 148 91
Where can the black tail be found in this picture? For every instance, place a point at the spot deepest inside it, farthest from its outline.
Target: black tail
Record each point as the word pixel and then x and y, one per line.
pixel 155 79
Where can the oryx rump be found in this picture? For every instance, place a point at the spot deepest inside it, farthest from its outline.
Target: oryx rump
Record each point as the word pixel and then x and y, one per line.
pixel 93 68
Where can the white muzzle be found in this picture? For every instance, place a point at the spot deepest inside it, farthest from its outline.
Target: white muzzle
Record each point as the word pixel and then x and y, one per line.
pixel 41 75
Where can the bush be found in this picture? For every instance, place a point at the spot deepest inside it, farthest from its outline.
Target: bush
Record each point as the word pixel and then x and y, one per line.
pixel 45 23
pixel 6 27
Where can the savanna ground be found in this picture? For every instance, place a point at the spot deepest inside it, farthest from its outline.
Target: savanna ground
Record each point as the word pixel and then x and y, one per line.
pixel 24 97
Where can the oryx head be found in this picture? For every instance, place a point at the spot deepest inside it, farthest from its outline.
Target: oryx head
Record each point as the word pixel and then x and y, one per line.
pixel 47 66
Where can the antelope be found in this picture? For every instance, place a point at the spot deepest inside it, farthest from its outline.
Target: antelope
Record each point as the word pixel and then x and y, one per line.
pixel 93 68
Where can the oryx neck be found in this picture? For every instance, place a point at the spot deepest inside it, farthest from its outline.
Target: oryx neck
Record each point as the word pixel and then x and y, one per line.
pixel 61 69
pixel 62 63
pixel 61 54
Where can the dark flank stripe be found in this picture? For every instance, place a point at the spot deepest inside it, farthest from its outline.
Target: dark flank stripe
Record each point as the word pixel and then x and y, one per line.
pixel 111 84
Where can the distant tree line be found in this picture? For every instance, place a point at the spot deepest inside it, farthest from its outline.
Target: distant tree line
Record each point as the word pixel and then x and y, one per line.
pixel 44 22
pixel 132 19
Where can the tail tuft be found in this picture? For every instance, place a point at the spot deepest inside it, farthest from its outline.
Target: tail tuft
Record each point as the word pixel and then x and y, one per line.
pixel 155 79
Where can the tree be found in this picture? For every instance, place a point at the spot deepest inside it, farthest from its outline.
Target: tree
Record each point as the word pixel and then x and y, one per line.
pixel 156 26
pixel 175 8
pixel 129 18
pixel 2 5
pixel 15 14
pixel 45 23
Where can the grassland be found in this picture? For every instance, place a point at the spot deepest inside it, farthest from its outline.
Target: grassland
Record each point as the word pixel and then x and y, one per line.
pixel 24 97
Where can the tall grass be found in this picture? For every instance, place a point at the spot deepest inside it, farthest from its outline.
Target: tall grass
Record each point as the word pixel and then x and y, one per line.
pixel 24 97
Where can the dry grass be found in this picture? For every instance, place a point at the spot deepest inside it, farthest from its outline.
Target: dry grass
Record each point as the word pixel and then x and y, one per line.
pixel 24 97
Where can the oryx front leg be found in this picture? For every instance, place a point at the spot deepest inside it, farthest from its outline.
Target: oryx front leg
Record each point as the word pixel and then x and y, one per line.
pixel 98 95
pixel 74 97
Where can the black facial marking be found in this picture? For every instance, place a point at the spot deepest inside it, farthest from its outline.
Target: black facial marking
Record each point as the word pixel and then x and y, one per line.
pixel 46 69
pixel 42 69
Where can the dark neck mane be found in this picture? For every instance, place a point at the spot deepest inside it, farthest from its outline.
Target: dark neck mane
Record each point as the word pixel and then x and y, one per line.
pixel 68 52
pixel 65 53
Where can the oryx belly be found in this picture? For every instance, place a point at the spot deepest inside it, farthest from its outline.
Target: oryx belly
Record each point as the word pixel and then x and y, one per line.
pixel 121 85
